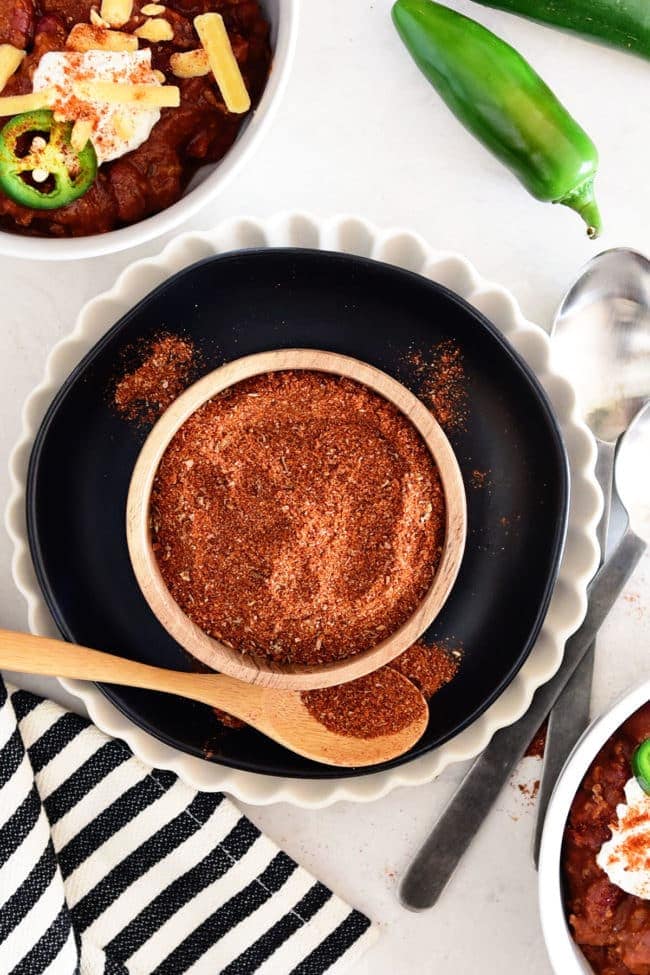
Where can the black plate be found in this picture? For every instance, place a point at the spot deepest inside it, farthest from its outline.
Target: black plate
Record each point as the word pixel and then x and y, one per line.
pixel 251 301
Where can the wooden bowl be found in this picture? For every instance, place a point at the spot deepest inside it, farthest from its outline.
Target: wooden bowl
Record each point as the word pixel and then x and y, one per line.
pixel 258 669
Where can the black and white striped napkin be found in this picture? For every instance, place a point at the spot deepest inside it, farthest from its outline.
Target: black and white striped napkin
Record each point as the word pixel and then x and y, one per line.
pixel 110 867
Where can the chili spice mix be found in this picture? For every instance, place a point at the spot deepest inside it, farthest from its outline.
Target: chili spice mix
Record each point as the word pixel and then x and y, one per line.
pixel 299 516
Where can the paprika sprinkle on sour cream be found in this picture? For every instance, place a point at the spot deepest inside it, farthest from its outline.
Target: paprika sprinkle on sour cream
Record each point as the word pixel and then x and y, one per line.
pixel 298 515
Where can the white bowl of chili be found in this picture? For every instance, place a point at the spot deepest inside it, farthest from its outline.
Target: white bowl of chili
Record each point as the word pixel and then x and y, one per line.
pixel 206 183
pixel 565 954
pixel 186 482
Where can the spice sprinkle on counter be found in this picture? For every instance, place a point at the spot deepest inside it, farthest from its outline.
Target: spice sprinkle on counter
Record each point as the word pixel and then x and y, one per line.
pixel 298 515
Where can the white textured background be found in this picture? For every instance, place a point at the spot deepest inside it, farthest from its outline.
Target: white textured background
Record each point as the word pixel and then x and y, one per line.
pixel 360 131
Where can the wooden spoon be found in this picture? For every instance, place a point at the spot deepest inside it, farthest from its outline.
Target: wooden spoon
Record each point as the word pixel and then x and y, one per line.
pixel 279 714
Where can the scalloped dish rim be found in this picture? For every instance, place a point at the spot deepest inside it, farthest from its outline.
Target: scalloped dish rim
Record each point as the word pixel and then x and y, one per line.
pixel 394 246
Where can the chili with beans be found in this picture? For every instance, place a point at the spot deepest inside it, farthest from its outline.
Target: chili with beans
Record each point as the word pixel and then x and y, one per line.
pixel 200 131
pixel 611 926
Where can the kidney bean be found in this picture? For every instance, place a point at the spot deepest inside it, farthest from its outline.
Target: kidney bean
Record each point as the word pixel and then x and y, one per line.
pixel 17 23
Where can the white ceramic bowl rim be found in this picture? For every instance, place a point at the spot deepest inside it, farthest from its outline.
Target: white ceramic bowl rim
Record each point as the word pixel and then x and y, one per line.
pixel 407 250
pixel 566 958
pixel 284 18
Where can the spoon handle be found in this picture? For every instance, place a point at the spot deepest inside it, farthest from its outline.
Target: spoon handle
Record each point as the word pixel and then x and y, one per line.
pixel 570 714
pixel 461 819
pixel 56 658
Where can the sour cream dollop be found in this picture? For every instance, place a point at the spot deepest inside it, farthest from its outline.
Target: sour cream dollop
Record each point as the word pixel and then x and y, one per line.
pixel 117 129
pixel 625 858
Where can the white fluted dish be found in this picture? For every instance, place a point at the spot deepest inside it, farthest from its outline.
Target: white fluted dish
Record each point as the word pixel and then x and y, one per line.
pixel 402 248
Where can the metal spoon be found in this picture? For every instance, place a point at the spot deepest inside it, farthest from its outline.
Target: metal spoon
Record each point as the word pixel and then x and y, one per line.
pixel 279 714
pixel 601 338
pixel 461 819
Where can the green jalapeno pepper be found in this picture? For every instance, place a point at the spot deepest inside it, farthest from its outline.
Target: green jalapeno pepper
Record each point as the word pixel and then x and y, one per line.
pixel 621 23
pixel 39 167
pixel 641 765
pixel 498 96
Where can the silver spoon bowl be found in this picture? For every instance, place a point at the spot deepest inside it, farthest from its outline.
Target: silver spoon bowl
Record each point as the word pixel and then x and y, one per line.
pixel 601 337
pixel 601 340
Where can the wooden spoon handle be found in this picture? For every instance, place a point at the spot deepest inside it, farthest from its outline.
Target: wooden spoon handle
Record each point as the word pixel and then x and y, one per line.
pixel 285 718
pixel 56 658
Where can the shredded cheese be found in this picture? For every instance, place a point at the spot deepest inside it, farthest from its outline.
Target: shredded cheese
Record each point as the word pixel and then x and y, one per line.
pixel 124 126
pixel 63 71
pixel 223 63
pixel 86 37
pixel 17 104
pixel 96 19
pixel 10 60
pixel 147 96
pixel 81 132
pixel 155 30
pixel 116 12
pixel 190 64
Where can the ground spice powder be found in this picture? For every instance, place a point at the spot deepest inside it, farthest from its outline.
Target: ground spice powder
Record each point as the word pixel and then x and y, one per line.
pixel 367 707
pixel 298 515
pixel 375 705
pixel 442 383
pixel 165 368
pixel 428 667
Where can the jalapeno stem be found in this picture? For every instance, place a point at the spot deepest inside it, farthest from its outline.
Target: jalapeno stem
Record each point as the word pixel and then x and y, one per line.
pixel 583 202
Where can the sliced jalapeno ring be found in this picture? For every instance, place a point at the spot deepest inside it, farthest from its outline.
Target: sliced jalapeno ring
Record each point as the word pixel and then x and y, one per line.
pixel 641 765
pixel 38 166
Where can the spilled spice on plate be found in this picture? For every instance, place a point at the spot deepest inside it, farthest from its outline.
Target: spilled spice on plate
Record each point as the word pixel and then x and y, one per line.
pixel 428 667
pixel 367 707
pixel 442 383
pixel 164 368
pixel 479 479
pixel 228 720
pixel 298 515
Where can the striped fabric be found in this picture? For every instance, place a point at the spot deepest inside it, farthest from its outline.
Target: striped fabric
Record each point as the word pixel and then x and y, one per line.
pixel 109 867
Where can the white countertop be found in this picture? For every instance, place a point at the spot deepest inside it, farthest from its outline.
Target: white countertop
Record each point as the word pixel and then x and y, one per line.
pixel 360 131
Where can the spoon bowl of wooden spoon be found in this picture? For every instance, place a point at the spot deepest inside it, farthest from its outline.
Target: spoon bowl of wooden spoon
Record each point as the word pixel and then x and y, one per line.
pixel 288 717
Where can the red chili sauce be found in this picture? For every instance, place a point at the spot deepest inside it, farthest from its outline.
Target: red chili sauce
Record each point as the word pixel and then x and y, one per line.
pixel 200 131
pixel 611 926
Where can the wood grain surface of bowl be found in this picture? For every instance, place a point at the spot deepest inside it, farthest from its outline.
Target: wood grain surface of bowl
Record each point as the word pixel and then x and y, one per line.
pixel 257 669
